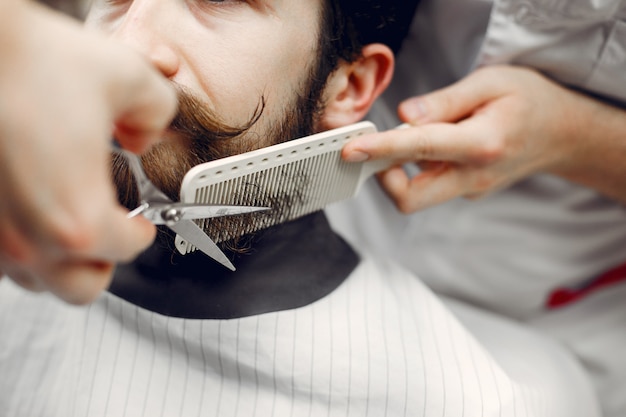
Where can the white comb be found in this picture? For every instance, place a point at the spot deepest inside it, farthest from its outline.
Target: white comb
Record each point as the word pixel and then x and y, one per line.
pixel 294 178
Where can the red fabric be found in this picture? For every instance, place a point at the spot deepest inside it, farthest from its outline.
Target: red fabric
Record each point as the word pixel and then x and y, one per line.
pixel 565 296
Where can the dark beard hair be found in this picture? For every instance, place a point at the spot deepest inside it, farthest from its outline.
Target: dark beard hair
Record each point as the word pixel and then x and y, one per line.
pixel 197 136
pixel 201 136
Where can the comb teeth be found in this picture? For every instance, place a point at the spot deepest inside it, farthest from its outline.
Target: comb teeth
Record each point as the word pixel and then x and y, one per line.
pixel 294 178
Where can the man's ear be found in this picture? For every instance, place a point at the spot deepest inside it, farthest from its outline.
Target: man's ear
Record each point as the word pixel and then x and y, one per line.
pixel 353 87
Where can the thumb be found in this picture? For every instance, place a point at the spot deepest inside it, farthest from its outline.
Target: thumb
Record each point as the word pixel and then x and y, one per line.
pixel 143 109
pixel 449 104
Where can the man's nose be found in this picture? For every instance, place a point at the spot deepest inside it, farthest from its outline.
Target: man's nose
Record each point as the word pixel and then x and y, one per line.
pixel 147 29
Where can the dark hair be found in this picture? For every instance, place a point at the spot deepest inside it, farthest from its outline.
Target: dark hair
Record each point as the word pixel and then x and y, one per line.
pixel 348 25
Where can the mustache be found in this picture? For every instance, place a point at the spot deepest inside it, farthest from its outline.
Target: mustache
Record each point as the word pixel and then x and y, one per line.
pixel 203 133
pixel 195 119
pixel 196 135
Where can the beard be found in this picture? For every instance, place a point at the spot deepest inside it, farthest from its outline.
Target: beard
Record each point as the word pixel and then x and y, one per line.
pixel 198 135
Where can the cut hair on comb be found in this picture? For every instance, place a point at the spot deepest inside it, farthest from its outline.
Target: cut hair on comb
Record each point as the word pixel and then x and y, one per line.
pixel 294 179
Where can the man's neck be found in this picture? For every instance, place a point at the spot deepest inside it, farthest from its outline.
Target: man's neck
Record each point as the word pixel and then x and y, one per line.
pixel 288 266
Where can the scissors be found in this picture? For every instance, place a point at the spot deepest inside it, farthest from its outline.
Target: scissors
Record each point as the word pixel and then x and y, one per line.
pixel 161 210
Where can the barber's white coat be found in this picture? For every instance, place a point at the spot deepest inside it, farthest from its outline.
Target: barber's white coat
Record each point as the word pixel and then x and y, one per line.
pixel 509 251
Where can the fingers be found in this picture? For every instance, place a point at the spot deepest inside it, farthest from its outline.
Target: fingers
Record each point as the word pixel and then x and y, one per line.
pixel 141 100
pixel 107 235
pixel 453 159
pixel 75 266
pixel 452 103
pixel 429 188
pixel 119 239
pixel 472 138
pixel 23 278
pixel 462 142
pixel 61 228
pixel 144 103
pixel 88 224
pixel 76 282
pixel 37 266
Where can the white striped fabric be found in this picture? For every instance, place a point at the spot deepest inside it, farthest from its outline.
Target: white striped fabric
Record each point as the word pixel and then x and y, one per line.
pixel 379 345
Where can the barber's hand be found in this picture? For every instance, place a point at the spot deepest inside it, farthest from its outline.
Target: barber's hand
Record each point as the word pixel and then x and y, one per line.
pixel 64 93
pixel 495 127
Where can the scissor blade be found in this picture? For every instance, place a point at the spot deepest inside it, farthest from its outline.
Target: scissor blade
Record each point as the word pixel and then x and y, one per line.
pixel 196 236
pixel 209 211
pixel 147 190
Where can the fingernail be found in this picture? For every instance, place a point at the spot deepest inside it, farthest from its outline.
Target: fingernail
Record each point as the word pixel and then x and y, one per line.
pixel 357 156
pixel 414 109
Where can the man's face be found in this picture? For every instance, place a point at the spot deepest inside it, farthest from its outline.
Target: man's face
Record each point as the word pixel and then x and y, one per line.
pixel 235 57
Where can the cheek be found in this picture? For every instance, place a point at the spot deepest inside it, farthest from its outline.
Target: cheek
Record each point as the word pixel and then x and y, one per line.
pixel 236 74
pixel 232 86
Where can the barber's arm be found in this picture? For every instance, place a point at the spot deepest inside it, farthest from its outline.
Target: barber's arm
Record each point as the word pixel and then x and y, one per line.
pixel 498 125
pixel 63 93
